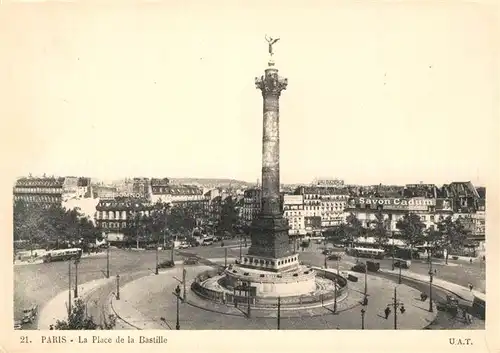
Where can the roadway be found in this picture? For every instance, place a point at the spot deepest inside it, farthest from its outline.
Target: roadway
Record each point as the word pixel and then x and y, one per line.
pixel 459 272
pixel 38 283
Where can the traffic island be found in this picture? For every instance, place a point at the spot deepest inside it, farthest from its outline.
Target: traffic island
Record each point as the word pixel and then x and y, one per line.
pixel 151 303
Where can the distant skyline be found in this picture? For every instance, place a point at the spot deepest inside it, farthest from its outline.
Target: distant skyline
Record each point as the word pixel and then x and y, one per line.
pixel 94 179
pixel 378 93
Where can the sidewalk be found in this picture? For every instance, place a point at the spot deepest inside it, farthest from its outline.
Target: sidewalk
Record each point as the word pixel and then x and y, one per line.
pixel 39 260
pixel 458 290
pixel 56 308
pixel 131 294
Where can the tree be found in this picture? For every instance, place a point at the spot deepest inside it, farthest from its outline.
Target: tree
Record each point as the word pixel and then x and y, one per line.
pixel 79 320
pixel 181 218
pixel 51 226
pixel 137 227
pixel 434 240
pixel 157 221
pixel 28 223
pixel 337 234
pixel 353 229
pixel 453 234
pixel 411 228
pixel 228 218
pixel 379 230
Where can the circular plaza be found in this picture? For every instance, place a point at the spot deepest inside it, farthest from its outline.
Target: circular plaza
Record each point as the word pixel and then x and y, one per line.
pixel 151 302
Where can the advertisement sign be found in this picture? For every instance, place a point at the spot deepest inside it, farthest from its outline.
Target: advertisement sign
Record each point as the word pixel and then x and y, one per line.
pixel 411 204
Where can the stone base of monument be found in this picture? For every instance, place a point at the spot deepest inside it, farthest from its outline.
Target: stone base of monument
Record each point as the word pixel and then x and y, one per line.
pixel 299 286
pixel 298 280
pixel 283 264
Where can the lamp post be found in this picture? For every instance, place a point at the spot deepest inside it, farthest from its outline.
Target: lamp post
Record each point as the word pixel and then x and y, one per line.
pixel 184 283
pixel 117 287
pixel 397 304
pixel 177 294
pixel 241 250
pixel 335 295
pixel 279 312
pixel 363 311
pixel 157 246
pixel 77 261
pixel 172 250
pixel 399 278
pixel 430 283
pixel 69 288
pixel 248 298
pixel 395 309
pixel 225 257
pixel 365 298
pixel 107 260
pixel 392 251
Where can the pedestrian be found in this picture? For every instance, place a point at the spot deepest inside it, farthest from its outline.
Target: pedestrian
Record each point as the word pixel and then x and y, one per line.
pixel 435 271
pixel 465 314
pixel 470 260
pixel 51 327
pixel 470 286
pixel 387 311
pixel 469 318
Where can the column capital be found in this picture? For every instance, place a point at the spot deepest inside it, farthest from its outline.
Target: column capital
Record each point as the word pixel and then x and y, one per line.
pixel 271 82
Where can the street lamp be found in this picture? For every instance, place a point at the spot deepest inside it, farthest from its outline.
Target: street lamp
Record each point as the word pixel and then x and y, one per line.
pixel 365 299
pixel 241 250
pixel 279 312
pixel 363 311
pixel 184 284
pixel 392 251
pixel 69 289
pixel 157 246
pixel 397 304
pixel 117 287
pixel 177 294
pixel 430 284
pixel 335 295
pixel 399 278
pixel 247 289
pixel 107 259
pixel 77 261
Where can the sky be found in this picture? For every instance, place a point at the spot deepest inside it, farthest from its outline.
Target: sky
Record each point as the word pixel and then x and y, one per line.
pixel 377 93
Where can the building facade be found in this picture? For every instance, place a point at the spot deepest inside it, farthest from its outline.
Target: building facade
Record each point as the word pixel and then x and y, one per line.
pixel 105 192
pixel 141 188
pixel 293 210
pixel 251 205
pixel 430 211
pixel 177 194
pixel 51 190
pixel 323 206
pixel 115 216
